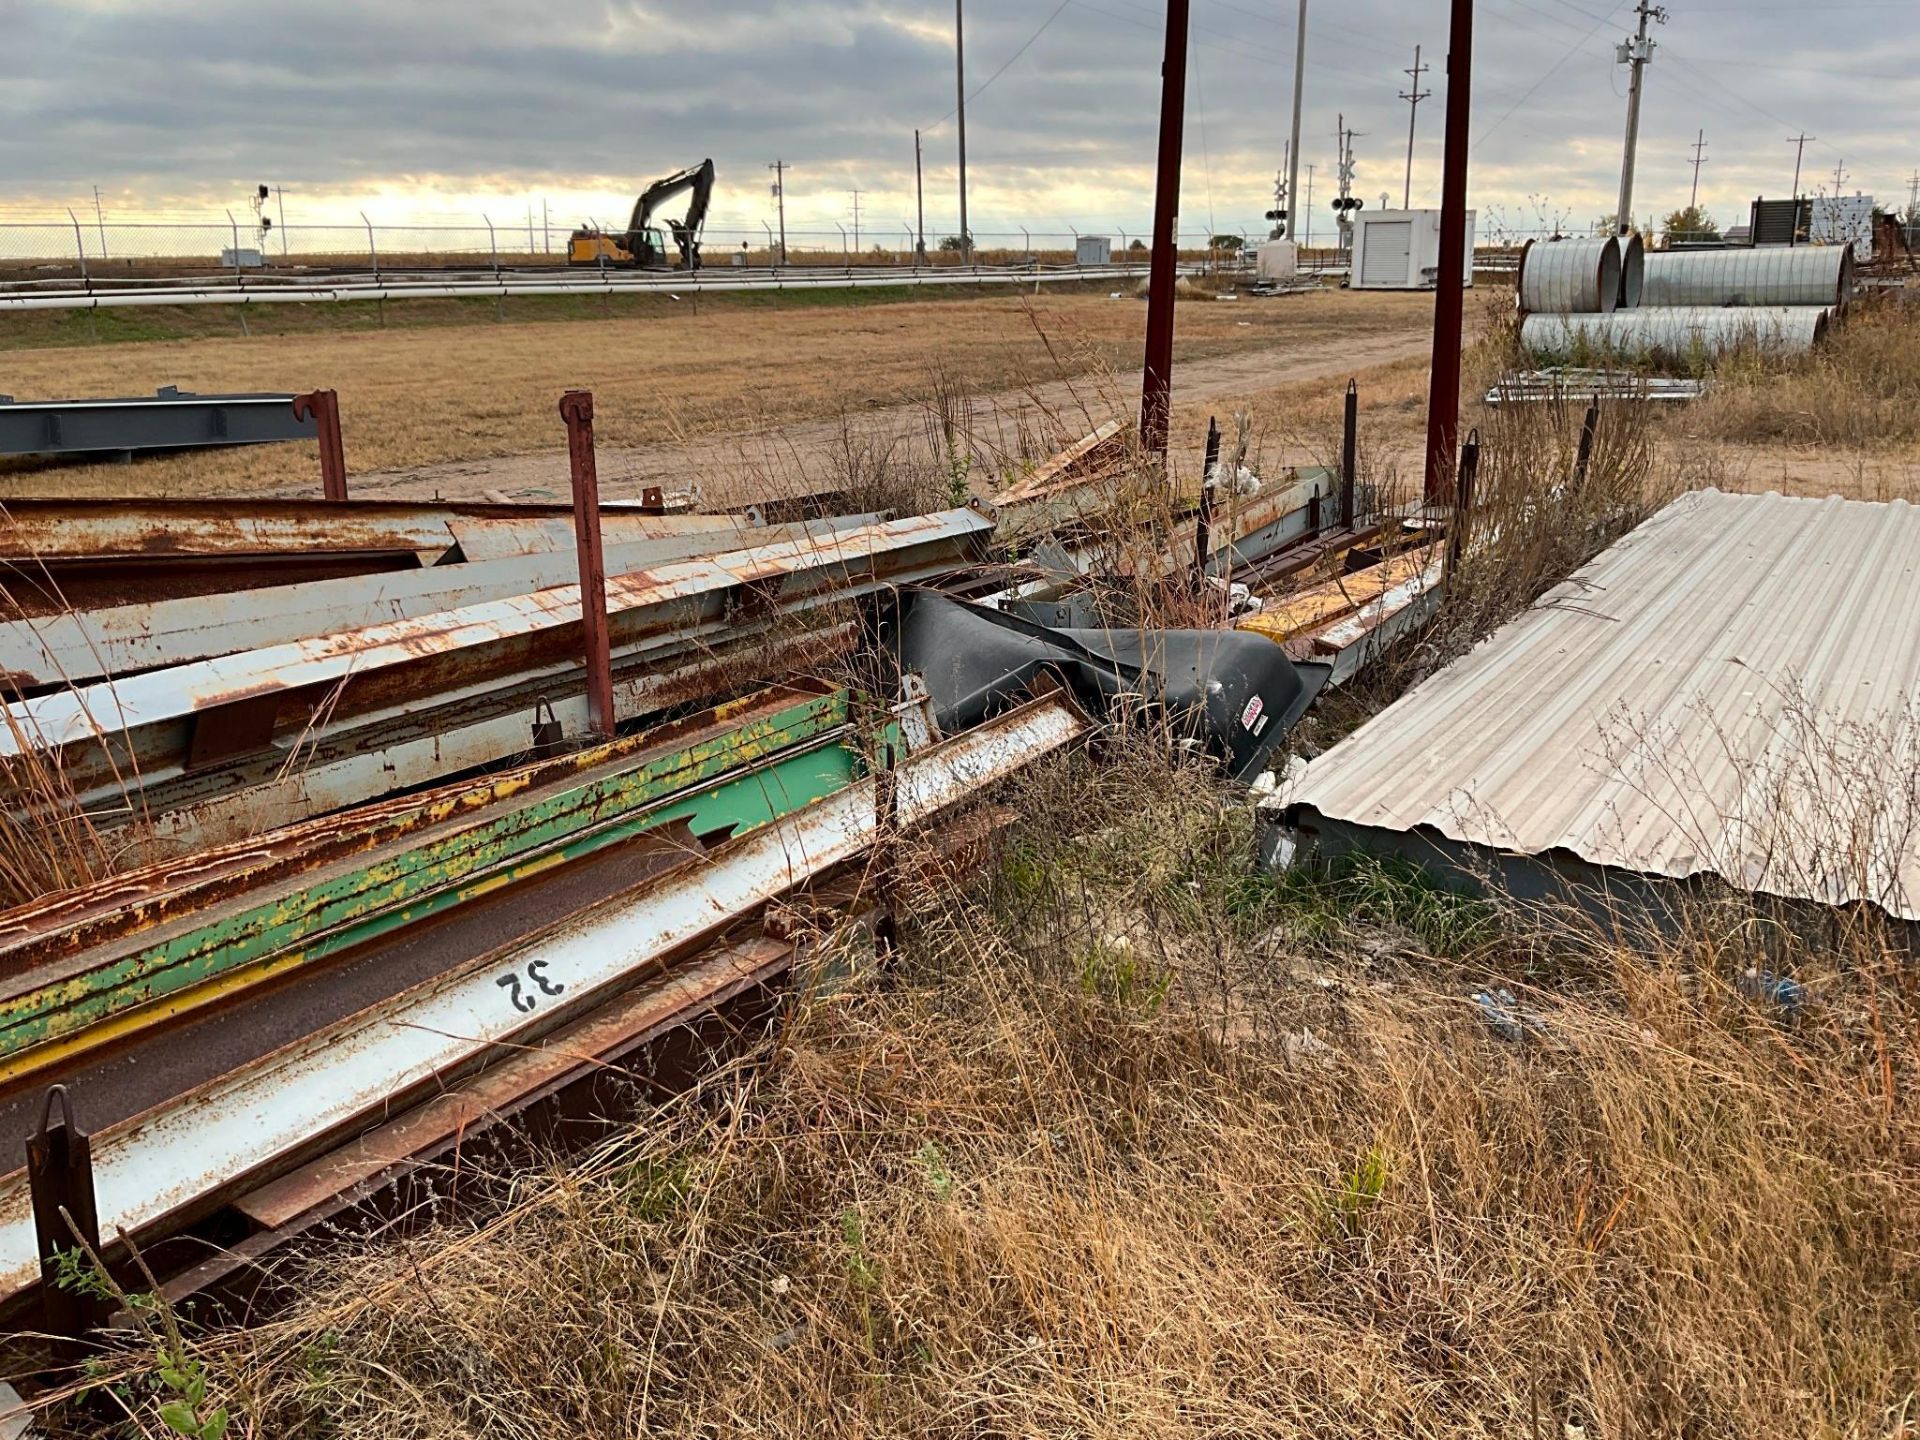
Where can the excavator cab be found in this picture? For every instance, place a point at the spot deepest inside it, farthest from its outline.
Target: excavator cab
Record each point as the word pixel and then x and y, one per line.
pixel 643 246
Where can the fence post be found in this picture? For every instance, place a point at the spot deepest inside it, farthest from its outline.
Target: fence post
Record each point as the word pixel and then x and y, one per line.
pixel 1203 522
pixel 80 245
pixel 576 408
pixel 768 227
pixel 845 254
pixel 492 244
pixel 372 249
pixel 234 226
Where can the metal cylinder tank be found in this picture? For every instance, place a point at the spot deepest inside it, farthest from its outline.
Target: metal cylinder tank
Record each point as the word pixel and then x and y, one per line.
pixel 1682 332
pixel 1570 277
pixel 1633 269
pixel 1754 275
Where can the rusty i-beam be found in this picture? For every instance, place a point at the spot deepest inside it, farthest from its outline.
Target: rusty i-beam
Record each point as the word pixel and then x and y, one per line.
pixel 576 408
pixel 1156 385
pixel 1443 388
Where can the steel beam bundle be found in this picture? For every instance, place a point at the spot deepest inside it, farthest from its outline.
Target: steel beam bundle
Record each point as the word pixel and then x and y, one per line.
pixel 221 1142
pixel 239 743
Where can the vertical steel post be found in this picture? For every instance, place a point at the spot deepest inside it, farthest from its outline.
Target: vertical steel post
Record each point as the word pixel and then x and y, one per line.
pixel 1443 386
pixel 1587 429
pixel 373 250
pixel 1156 383
pixel 1349 454
pixel 60 1184
pixel 1204 523
pixel 576 408
pixel 80 248
pixel 1463 501
pixel 324 407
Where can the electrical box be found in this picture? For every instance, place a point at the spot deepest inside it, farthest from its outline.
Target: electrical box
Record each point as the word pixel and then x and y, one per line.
pixel 241 259
pixel 1400 250
pixel 1093 250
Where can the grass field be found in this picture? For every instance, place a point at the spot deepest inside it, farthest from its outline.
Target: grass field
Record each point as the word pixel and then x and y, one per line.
pixel 432 390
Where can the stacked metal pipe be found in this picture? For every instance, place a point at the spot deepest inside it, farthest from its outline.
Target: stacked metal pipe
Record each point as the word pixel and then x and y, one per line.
pixel 1608 295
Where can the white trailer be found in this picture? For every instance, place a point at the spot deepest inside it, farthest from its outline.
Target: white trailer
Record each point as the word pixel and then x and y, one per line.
pixel 1400 250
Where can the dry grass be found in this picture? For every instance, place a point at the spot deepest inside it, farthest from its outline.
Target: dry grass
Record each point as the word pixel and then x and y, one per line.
pixel 1860 391
pixel 1138 1145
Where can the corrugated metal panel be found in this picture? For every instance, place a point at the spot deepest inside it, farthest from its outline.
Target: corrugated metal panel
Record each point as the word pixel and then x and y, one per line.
pixel 1704 697
pixel 1766 275
pixel 1570 277
pixel 1678 330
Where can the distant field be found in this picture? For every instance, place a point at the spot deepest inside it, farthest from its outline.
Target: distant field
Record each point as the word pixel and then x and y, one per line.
pixel 447 383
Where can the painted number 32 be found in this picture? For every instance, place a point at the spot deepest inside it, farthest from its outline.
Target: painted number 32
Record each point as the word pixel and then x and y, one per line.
pixel 525 990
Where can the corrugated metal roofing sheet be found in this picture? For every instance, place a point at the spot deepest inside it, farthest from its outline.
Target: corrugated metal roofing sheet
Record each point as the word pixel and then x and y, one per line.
pixel 1732 688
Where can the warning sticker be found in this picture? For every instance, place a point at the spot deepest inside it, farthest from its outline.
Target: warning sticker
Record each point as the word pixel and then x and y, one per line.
pixel 1252 713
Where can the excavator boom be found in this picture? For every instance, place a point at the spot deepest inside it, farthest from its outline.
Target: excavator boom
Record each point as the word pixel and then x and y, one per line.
pixel 698 179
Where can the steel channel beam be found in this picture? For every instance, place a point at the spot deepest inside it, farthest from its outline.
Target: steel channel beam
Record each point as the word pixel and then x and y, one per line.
pixel 47 531
pixel 168 420
pixel 83 645
pixel 732 780
pixel 213 808
pixel 166 720
pixel 238 1126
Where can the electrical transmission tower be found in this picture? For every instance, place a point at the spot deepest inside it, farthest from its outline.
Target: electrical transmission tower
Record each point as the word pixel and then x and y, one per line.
pixel 1699 159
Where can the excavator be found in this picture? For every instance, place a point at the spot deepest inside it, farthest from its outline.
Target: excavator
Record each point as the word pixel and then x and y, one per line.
pixel 643 247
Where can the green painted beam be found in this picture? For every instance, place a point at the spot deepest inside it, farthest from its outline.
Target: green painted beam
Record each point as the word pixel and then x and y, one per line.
pixel 734 780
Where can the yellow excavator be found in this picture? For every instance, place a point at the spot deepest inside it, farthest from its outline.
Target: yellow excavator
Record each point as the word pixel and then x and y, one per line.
pixel 643 246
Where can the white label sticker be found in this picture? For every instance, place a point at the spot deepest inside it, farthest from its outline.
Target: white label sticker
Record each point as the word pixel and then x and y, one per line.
pixel 1252 713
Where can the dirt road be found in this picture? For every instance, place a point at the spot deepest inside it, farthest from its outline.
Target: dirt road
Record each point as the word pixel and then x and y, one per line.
pixel 816 454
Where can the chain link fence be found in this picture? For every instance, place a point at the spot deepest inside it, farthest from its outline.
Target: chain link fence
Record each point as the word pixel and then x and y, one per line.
pixel 104 251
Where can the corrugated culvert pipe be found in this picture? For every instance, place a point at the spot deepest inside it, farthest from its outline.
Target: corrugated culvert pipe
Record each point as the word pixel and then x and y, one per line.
pixel 1575 276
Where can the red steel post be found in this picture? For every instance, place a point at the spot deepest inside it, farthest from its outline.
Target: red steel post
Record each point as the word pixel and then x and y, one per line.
pixel 576 408
pixel 1156 385
pixel 324 407
pixel 1443 390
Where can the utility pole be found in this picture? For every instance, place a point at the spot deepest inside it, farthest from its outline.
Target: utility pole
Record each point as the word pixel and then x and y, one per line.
pixel 1699 159
pixel 1413 96
pixel 1443 384
pixel 1309 210
pixel 100 223
pixel 779 169
pixel 280 204
pixel 1839 178
pixel 920 206
pixel 856 220
pixel 960 108
pixel 1293 142
pixel 1156 380
pixel 1635 52
pixel 1799 143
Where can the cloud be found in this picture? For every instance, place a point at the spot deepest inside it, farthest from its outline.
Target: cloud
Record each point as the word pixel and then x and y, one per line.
pixel 414 107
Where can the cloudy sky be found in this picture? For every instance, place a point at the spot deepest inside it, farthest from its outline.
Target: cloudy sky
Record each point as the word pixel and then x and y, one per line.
pixel 410 110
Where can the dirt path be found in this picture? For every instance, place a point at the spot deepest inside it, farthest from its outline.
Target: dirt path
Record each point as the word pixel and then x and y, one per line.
pixel 809 455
